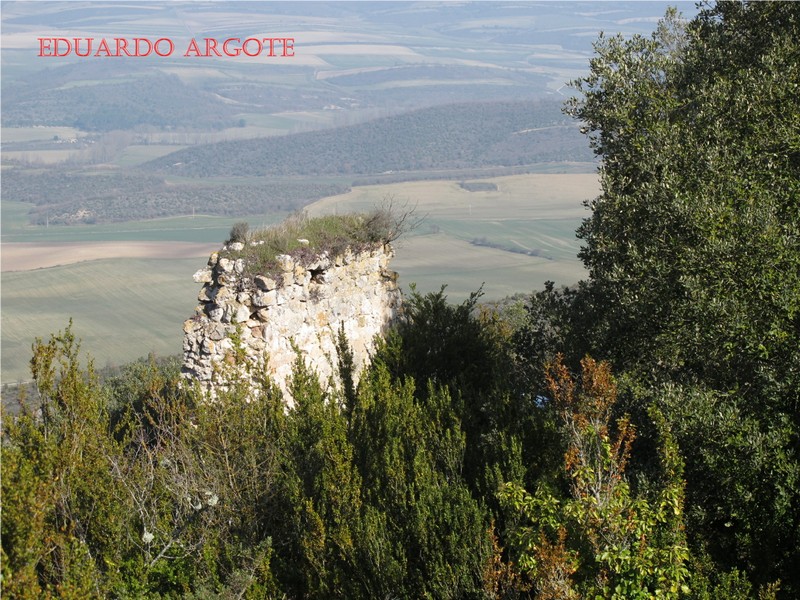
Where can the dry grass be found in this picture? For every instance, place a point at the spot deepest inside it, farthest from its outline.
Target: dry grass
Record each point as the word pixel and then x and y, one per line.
pixel 305 238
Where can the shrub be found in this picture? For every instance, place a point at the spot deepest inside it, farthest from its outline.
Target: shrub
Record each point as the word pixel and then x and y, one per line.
pixel 240 232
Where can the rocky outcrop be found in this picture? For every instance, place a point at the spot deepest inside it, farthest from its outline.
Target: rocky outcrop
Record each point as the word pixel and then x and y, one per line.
pixel 262 322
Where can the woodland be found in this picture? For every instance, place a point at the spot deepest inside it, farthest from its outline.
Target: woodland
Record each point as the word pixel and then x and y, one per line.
pixel 256 176
pixel 467 135
pixel 634 436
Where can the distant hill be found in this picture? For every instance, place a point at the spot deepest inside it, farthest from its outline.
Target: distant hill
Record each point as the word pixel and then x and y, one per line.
pixel 288 172
pixel 62 197
pixel 85 96
pixel 352 57
pixel 456 136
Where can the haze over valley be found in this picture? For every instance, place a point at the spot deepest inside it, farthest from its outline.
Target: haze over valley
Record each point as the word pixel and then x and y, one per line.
pixel 121 174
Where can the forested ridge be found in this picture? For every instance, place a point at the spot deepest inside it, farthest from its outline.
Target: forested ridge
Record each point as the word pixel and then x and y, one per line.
pixel 447 141
pixel 634 436
pixel 133 100
pixel 453 136
pixel 70 197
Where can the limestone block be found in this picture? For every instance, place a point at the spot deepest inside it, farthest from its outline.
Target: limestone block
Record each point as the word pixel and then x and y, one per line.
pixel 262 299
pixel 203 275
pixel 294 305
pixel 303 304
pixel 190 325
pixel 285 262
pixel 366 307
pixel 225 265
pixel 322 262
pixel 215 331
pixel 236 246
pixel 212 260
pixel 223 295
pixel 242 314
pixel 318 292
pixel 265 284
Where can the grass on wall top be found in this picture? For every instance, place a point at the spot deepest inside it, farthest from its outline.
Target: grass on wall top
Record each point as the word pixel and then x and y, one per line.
pixel 305 238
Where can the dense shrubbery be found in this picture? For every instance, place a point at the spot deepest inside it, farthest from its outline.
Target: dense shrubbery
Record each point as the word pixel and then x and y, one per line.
pixel 139 488
pixel 693 250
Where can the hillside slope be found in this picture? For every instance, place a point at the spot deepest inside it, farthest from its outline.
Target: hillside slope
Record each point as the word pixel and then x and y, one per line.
pixel 443 137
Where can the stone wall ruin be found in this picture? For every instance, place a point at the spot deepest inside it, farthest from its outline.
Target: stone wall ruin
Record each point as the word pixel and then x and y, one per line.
pixel 301 308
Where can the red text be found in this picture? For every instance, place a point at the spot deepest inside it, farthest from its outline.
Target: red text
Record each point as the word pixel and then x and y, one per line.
pixel 84 47
pixel 280 46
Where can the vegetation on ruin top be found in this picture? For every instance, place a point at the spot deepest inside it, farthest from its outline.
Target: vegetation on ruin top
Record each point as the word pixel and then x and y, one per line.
pixel 305 238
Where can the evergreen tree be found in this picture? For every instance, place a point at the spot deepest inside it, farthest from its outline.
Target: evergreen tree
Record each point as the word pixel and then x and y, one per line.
pixel 693 250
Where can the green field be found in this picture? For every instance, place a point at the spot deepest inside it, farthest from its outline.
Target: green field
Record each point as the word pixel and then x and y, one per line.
pixel 137 154
pixel 121 309
pixel 13 217
pixel 527 212
pixel 37 134
pixel 126 308
pixel 200 228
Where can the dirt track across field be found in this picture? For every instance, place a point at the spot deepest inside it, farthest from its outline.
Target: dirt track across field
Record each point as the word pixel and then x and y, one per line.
pixel 26 256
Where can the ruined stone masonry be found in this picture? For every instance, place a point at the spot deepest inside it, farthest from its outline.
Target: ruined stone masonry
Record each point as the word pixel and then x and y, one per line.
pixel 302 306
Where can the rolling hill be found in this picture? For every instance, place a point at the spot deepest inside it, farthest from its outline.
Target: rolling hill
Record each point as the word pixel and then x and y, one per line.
pixel 468 135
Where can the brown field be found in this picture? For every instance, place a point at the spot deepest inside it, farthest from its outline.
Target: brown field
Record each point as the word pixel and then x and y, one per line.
pixel 25 256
